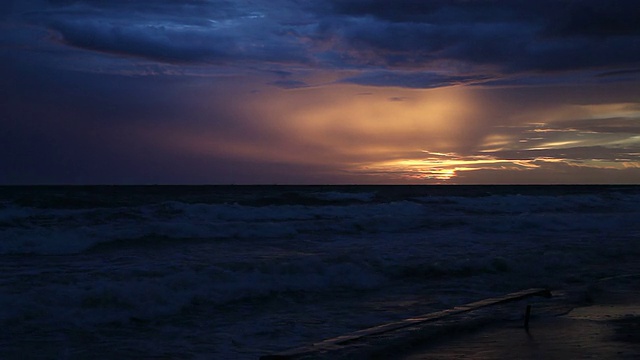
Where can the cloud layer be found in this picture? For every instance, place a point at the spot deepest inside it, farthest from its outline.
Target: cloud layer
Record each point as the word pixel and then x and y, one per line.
pixel 443 42
pixel 291 91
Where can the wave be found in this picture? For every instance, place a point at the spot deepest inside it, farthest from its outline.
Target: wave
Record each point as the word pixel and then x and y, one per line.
pixel 60 230
pixel 242 274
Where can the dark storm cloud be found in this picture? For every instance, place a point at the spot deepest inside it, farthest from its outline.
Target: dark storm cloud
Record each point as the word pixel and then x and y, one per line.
pixel 411 79
pixel 434 11
pixel 489 37
pixel 594 18
pixel 450 40
pixel 220 32
pixel 551 17
pixel 6 7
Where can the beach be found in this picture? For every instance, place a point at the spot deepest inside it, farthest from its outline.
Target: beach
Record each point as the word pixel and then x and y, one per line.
pixel 600 321
pixel 607 328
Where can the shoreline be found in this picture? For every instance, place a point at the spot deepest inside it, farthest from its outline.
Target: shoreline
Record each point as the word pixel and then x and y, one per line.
pixel 599 321
pixel 607 326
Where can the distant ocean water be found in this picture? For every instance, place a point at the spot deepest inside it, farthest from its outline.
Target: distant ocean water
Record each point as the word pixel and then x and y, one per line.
pixel 230 272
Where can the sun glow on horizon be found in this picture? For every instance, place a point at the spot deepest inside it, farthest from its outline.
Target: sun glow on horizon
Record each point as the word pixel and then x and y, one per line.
pixel 372 134
pixel 446 166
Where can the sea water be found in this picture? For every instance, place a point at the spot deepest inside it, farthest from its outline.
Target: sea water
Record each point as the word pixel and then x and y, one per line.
pixel 234 272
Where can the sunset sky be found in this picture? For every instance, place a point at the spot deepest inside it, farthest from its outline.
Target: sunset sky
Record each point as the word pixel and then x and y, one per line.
pixel 319 92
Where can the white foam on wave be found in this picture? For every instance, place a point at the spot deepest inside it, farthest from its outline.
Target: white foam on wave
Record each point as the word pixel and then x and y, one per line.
pixel 149 290
pixel 54 231
pixel 59 231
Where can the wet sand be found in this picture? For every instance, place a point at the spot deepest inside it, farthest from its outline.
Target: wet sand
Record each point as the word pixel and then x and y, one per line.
pixel 599 321
pixel 608 328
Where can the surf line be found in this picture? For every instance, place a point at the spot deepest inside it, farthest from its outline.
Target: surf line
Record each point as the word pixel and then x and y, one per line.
pixel 336 342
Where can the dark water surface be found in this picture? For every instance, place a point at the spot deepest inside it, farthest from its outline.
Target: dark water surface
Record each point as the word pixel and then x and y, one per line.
pixel 239 271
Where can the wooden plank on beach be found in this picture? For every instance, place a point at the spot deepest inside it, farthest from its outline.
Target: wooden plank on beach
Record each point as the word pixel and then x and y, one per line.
pixel 336 342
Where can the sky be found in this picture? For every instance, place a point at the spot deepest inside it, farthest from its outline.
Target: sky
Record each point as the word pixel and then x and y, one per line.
pixel 319 92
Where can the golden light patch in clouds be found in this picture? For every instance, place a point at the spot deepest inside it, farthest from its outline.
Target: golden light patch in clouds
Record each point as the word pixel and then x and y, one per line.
pixel 338 126
pixel 609 110
pixel 353 123
pixel 566 126
pixel 496 142
pixel 556 145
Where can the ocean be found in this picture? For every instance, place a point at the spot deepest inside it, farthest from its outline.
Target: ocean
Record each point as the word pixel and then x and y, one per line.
pixel 236 272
